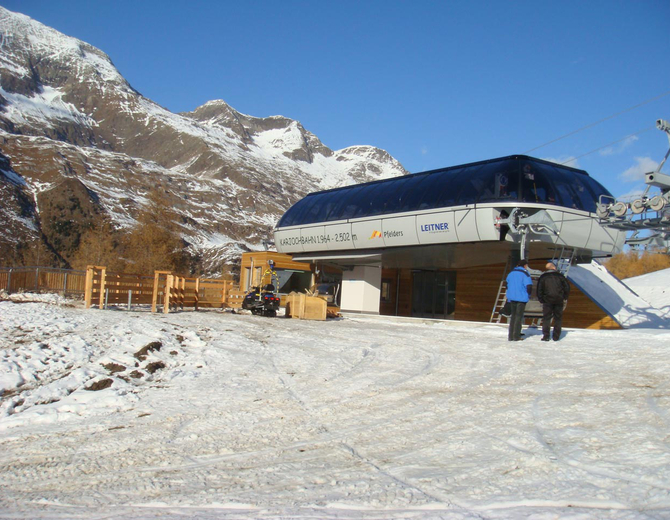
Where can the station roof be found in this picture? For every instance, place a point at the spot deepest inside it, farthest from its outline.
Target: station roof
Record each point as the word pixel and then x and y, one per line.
pixel 516 178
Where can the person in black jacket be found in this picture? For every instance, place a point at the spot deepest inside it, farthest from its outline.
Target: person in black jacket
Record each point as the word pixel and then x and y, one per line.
pixel 552 292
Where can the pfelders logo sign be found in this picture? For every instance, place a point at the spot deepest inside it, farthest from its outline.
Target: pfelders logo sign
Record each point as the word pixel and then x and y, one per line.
pixel 440 227
pixel 387 234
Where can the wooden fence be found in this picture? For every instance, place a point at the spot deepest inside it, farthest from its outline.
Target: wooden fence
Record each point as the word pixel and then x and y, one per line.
pixel 103 288
pixel 43 279
pixel 164 290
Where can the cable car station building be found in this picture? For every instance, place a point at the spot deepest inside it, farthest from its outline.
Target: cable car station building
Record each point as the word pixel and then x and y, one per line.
pixel 438 244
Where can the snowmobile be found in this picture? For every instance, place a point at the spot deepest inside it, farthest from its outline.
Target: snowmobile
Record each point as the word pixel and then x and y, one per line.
pixel 263 300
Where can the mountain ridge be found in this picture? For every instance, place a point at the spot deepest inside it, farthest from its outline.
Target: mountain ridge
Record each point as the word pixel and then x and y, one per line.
pixel 66 111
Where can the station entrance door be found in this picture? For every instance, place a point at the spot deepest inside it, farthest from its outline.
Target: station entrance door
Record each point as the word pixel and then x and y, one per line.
pixel 433 294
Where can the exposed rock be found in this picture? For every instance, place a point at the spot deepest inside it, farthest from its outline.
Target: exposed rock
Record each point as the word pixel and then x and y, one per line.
pixel 100 385
pixel 70 122
pixel 114 368
pixel 154 367
pixel 144 351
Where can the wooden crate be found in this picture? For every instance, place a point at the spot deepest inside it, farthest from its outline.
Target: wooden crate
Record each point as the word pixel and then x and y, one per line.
pixel 299 305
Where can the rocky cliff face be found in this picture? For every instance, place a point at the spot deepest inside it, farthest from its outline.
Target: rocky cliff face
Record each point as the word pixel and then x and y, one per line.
pixel 78 144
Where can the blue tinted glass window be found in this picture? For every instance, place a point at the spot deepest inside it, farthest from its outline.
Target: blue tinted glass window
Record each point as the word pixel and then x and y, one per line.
pixel 346 203
pixel 585 190
pixel 512 190
pixel 431 189
pixel 341 202
pixel 286 217
pixel 324 206
pixel 583 196
pixel 595 189
pixel 376 201
pixel 497 181
pixel 395 190
pixel 359 202
pixel 292 216
pixel 451 186
pixel 310 213
pixel 394 202
pixel 538 184
pixel 544 189
pixel 564 181
pixel 411 193
pixel 470 182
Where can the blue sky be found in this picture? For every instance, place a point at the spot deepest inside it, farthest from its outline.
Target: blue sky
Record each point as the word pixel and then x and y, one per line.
pixel 434 83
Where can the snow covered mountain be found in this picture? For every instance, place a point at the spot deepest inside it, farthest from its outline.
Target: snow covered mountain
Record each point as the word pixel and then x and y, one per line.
pixel 75 134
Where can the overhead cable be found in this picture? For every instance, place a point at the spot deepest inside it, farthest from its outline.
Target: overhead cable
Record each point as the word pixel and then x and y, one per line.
pixel 597 122
pixel 607 145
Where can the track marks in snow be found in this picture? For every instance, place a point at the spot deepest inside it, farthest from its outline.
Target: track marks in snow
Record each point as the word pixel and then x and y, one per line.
pixel 655 398
pixel 366 357
pixel 327 435
pixel 411 488
pixel 354 419
pixel 589 463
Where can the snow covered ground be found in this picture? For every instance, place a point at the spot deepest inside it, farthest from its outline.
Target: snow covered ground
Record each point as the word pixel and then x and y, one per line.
pixel 654 288
pixel 208 415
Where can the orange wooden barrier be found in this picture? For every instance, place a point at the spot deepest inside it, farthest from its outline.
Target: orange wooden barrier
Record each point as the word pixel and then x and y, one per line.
pixel 164 289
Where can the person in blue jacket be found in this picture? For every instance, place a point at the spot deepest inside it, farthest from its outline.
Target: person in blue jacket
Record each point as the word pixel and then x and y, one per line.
pixel 519 286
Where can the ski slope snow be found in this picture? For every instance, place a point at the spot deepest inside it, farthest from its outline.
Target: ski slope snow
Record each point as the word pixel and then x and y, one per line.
pixel 654 288
pixel 617 298
pixel 210 415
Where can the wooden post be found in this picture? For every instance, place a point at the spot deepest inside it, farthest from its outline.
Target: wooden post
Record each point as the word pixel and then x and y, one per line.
pixel 88 288
pixel 224 293
pixel 197 292
pixel 168 289
pixel 250 282
pixel 103 276
pixel 174 298
pixel 154 299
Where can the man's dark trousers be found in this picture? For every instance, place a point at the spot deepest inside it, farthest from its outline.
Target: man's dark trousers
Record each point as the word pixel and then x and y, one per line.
pixel 516 320
pixel 550 310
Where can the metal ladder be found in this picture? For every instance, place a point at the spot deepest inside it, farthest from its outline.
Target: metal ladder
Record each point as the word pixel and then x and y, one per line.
pixel 496 317
pixel 563 258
